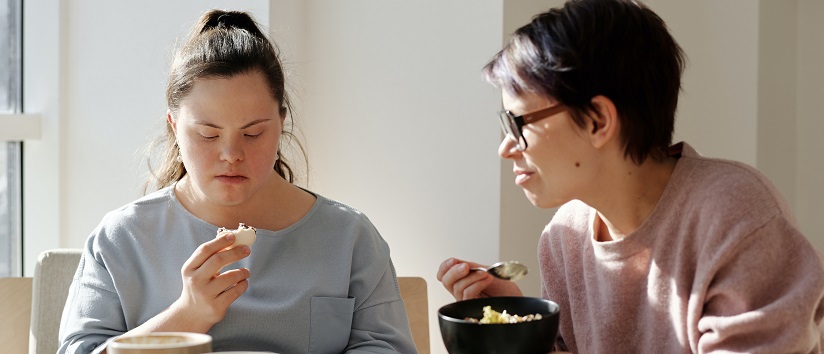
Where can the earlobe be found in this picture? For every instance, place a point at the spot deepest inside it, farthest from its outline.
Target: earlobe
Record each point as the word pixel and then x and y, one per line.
pixel 603 121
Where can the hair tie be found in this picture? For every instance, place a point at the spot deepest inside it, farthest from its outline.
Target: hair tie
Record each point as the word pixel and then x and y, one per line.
pixel 226 19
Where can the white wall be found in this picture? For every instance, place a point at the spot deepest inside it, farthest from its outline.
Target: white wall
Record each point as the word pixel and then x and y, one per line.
pixel 400 125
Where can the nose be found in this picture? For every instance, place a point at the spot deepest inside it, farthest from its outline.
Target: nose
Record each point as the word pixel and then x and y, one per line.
pixel 231 151
pixel 508 149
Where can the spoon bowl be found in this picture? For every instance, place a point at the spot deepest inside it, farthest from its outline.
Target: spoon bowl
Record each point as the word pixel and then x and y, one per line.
pixel 506 270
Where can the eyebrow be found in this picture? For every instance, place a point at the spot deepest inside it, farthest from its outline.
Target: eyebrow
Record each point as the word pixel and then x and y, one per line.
pixel 198 122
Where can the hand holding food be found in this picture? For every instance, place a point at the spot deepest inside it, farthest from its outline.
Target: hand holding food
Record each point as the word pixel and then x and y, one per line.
pixel 207 289
pixel 246 235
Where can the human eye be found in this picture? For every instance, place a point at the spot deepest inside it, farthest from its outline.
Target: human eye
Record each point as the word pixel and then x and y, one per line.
pixel 208 136
pixel 253 135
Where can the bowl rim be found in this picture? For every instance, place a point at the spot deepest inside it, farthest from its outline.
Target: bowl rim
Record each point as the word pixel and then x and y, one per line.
pixel 194 339
pixel 555 310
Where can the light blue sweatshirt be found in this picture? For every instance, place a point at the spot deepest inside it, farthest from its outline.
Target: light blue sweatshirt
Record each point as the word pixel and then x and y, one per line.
pixel 323 285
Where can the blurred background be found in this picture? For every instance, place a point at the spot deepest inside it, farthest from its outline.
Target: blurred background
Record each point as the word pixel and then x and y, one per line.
pixel 391 108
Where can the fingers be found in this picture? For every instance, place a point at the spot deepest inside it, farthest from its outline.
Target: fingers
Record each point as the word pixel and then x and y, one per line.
pixel 201 272
pixel 445 266
pixel 206 250
pixel 226 280
pixel 228 296
pixel 460 281
pixel 212 256
pixel 472 286
pixel 207 293
pixel 217 261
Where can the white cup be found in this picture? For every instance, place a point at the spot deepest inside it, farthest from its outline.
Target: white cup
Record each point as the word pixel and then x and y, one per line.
pixel 162 343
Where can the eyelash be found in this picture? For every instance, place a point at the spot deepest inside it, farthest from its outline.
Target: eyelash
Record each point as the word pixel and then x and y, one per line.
pixel 211 138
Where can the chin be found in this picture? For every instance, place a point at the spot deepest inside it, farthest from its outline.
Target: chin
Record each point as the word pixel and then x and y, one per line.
pixel 542 201
pixel 225 198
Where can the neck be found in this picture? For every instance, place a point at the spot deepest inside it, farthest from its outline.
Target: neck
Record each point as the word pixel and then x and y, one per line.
pixel 629 195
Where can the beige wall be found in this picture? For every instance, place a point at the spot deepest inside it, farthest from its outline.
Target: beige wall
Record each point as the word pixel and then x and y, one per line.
pixel 809 196
pixel 777 111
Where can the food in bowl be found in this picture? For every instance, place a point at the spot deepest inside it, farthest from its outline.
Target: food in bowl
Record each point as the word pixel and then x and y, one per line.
pixel 245 235
pixel 494 317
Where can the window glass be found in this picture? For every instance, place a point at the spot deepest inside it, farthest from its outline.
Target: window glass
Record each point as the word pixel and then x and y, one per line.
pixel 10 151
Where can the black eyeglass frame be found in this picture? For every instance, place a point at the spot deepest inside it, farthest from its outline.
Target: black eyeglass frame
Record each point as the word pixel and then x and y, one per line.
pixel 510 123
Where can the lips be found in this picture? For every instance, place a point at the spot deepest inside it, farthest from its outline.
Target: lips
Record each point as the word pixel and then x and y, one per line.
pixel 521 176
pixel 231 178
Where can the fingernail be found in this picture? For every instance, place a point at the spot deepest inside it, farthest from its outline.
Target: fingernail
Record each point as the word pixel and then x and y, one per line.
pixel 230 237
pixel 247 250
pixel 463 266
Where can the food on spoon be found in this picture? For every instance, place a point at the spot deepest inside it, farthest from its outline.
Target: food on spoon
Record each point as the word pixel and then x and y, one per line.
pixel 245 235
pixel 491 316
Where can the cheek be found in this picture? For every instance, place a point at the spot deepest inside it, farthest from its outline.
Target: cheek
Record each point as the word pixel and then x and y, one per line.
pixel 559 157
pixel 262 156
pixel 194 152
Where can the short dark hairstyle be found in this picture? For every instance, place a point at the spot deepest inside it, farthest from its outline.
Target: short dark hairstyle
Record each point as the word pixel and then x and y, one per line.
pixel 616 48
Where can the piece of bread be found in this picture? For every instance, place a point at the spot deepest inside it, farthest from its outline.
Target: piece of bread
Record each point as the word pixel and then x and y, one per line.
pixel 245 235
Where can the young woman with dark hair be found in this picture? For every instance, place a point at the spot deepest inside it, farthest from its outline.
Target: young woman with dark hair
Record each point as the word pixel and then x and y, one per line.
pixel 318 279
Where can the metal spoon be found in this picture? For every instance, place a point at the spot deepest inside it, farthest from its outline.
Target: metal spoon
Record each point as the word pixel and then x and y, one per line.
pixel 507 270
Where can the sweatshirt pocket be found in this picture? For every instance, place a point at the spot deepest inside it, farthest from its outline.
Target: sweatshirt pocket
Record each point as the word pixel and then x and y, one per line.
pixel 330 322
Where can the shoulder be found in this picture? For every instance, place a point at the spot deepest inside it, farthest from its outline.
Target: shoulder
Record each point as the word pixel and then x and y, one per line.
pixel 718 188
pixel 573 217
pixel 126 220
pixel 339 209
pixel 569 228
pixel 147 204
pixel 346 221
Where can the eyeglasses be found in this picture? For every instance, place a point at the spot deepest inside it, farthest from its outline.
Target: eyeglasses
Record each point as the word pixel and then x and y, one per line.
pixel 513 125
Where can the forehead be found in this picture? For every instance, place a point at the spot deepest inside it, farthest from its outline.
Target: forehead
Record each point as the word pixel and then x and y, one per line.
pixel 249 84
pixel 245 94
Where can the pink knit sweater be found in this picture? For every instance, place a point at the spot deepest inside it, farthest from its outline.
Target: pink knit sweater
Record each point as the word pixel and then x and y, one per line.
pixel 718 266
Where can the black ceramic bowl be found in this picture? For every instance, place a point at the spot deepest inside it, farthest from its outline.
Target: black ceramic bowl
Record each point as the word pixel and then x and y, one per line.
pixel 461 336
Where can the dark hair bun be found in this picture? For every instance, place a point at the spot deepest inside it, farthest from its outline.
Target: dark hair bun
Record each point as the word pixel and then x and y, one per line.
pixel 229 19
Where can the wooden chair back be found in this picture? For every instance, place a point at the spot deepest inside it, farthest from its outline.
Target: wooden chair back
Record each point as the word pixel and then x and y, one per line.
pixel 414 294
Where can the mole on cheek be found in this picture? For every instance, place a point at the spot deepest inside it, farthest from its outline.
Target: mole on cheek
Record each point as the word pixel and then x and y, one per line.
pixel 577 164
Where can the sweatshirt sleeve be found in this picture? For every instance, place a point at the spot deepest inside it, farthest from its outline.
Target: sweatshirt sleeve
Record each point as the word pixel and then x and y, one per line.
pixel 379 323
pixel 765 295
pixel 92 314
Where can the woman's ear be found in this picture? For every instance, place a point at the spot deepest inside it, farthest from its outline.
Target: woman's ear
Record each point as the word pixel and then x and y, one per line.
pixel 171 120
pixel 603 122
